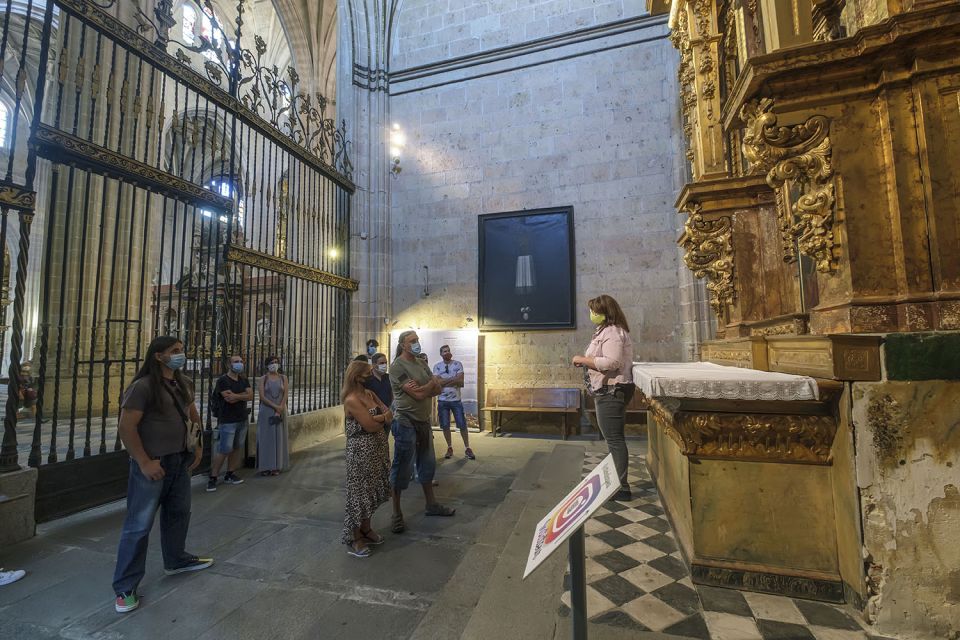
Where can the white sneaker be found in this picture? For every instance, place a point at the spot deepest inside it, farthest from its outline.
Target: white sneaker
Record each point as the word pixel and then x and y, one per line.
pixel 9 577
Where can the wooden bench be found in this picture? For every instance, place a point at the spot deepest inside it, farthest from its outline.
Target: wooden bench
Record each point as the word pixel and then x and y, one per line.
pixel 637 405
pixel 562 401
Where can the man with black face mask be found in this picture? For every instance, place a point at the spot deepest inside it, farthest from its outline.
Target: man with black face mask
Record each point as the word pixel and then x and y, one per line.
pixel 413 387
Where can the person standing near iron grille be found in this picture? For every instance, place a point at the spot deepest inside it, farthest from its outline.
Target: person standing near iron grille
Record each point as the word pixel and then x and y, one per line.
pixel 233 391
pixel 608 362
pixel 154 427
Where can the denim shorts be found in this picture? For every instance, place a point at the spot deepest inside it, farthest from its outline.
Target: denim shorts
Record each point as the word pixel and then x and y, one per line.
pixel 412 447
pixel 230 437
pixel 444 407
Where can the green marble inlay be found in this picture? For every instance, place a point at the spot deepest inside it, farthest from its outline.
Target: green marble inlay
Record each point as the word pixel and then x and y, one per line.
pixel 922 356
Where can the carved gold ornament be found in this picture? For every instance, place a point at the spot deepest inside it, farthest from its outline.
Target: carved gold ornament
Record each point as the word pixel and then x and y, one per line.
pixel 14 197
pixel 260 260
pixel 708 253
pixel 785 438
pixel 686 77
pixel 797 155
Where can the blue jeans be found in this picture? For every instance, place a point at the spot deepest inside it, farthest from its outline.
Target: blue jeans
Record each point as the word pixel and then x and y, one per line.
pixel 144 497
pixel 445 407
pixel 230 437
pixel 412 445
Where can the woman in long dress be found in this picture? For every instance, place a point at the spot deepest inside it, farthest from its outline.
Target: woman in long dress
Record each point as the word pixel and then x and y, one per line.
pixel 367 460
pixel 273 454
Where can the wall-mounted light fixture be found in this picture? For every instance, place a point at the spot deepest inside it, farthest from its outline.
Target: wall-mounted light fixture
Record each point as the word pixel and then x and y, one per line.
pixel 397 142
pixel 333 253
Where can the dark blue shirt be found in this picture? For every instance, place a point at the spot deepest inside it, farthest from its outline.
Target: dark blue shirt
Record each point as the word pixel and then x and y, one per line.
pixel 381 388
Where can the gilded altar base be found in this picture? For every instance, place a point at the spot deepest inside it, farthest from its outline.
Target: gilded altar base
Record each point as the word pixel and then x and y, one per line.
pixel 824 148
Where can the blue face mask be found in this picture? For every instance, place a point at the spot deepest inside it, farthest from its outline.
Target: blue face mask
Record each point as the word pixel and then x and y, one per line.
pixel 371 350
pixel 415 348
pixel 176 361
pixel 237 367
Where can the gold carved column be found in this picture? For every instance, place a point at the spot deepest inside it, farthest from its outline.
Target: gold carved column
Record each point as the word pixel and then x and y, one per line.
pixel 698 41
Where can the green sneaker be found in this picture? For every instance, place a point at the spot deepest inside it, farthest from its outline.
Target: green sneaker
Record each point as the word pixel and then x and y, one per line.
pixel 126 602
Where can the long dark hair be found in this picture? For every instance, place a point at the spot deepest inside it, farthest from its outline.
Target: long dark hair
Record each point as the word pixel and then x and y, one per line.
pixel 266 363
pixel 607 306
pixel 153 370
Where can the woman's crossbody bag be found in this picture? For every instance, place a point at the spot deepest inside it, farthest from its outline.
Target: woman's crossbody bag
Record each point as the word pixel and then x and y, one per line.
pixel 194 429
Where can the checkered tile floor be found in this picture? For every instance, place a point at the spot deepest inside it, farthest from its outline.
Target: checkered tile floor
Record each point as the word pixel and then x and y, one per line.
pixel 638 580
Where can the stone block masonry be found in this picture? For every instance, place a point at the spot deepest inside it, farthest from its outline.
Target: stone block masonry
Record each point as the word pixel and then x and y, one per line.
pixel 590 123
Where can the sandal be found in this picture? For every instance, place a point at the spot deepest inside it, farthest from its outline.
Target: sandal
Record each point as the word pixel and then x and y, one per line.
pixel 440 510
pixel 397 523
pixel 362 552
pixel 366 536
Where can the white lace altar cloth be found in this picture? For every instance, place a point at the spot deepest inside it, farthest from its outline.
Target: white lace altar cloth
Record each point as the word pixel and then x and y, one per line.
pixel 714 381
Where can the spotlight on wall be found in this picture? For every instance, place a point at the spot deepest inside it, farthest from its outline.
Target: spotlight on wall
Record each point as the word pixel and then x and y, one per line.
pixel 397 143
pixel 333 253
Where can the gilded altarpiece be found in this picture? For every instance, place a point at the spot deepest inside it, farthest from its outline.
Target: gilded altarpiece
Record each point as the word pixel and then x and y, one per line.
pixel 824 204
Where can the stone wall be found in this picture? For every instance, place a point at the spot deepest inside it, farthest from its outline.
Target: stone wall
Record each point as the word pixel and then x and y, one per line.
pixel 588 122
pixel 908 454
pixel 429 31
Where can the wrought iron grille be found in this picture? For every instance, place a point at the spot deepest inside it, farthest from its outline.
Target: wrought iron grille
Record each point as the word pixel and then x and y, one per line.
pixel 210 205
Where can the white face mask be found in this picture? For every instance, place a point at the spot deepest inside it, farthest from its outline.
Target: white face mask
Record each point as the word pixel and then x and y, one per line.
pixel 273 367
pixel 382 368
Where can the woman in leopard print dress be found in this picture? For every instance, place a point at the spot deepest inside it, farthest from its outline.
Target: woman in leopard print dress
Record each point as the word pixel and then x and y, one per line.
pixel 367 459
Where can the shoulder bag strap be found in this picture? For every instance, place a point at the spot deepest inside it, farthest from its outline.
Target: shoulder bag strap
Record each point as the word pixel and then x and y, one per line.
pixel 194 433
pixel 176 404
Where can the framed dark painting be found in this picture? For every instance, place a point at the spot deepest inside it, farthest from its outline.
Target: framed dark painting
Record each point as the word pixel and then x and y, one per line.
pixel 526 270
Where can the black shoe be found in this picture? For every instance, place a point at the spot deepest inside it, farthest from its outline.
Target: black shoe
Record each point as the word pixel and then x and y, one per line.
pixel 624 495
pixel 232 478
pixel 194 564
pixel 211 484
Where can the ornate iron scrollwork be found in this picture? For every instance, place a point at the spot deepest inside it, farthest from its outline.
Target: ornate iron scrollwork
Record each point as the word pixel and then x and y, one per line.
pixel 709 254
pixel 795 155
pixel 270 92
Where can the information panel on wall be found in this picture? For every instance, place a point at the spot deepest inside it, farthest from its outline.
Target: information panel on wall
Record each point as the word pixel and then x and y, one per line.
pixel 463 344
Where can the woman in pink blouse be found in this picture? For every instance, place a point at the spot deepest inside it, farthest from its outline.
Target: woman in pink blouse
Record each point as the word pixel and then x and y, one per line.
pixel 609 366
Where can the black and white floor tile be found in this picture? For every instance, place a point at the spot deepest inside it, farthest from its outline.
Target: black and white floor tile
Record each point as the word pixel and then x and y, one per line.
pixel 636 579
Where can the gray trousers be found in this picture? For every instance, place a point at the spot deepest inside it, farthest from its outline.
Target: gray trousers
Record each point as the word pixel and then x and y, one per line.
pixel 611 417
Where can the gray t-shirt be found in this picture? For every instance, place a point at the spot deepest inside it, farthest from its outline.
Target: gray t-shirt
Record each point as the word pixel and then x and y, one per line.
pixel 161 429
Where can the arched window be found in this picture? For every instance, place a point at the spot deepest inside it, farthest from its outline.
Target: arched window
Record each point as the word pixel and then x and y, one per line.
pixel 4 125
pixel 224 187
pixel 194 36
pixel 189 24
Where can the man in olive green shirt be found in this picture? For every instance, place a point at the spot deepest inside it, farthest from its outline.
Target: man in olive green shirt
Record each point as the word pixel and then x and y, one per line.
pixel 413 390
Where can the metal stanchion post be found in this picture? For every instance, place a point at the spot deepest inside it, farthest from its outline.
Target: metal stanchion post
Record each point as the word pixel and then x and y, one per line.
pixel 578 584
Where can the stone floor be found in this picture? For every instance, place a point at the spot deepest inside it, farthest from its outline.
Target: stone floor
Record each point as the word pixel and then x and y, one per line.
pixel 638 581
pixel 280 570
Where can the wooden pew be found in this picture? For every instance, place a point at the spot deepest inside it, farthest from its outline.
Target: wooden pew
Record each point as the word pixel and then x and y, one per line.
pixel 563 401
